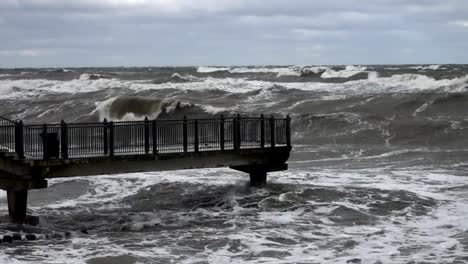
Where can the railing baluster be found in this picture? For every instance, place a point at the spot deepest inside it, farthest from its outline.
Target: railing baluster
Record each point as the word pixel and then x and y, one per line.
pixel 221 133
pixel 155 137
pixel 19 139
pixel 262 131
pixel 64 139
pixel 272 131
pixel 147 145
pixel 105 136
pixel 185 140
pixel 45 152
pixel 195 130
pixel 238 131
pixel 234 132
pixel 288 130
pixel 111 138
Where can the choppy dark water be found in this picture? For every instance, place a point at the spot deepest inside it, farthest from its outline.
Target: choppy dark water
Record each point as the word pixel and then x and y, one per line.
pixel 377 174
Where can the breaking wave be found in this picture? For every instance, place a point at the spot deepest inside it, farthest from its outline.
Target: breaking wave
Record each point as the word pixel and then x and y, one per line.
pixel 279 71
pixel 427 67
pixel 186 78
pixel 94 76
pixel 203 69
pixel 349 71
pixel 32 88
pixel 136 108
pixel 130 108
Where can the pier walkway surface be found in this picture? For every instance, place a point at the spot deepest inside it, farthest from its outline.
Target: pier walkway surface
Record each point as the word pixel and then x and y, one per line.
pixel 31 154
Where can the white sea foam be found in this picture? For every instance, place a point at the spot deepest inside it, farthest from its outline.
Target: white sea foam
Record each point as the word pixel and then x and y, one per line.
pixel 203 69
pixel 11 89
pixel 349 71
pixel 427 67
pixel 189 77
pixel 308 233
pixel 214 110
pixel 373 75
pixel 282 71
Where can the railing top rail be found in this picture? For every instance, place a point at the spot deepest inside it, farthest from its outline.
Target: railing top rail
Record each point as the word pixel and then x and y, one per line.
pixel 8 120
pixel 217 119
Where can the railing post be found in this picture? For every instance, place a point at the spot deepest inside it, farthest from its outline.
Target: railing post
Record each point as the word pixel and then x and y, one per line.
pixel 238 131
pixel 111 138
pixel 64 139
pixel 288 130
pixel 184 132
pixel 19 139
pixel 155 137
pixel 146 135
pixel 221 132
pixel 262 131
pixel 105 136
pixel 45 151
pixel 234 132
pixel 272 131
pixel 195 128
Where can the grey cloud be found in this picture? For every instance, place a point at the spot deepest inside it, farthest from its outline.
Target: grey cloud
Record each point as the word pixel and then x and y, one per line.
pixel 187 32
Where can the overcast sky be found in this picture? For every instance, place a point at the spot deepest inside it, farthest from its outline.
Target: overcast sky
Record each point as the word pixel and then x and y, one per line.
pixel 70 33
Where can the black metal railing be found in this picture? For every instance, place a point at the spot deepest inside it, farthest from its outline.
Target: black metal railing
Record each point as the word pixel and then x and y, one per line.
pixel 80 140
pixel 8 134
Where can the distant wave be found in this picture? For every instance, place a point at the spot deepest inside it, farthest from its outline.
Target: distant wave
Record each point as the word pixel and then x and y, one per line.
pixel 324 72
pixel 94 76
pixel 279 71
pixel 308 70
pixel 203 69
pixel 349 71
pixel 31 88
pixel 427 67
pixel 184 78
pixel 415 82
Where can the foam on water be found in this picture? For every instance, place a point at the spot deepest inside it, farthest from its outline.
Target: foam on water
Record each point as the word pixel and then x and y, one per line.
pixel 16 89
pixel 372 199
pixel 214 110
pixel 349 71
pixel 279 71
pixel 203 69
pixel 289 226
pixel 427 67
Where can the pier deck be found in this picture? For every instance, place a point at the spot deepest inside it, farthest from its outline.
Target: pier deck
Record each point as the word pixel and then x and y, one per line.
pixel 31 154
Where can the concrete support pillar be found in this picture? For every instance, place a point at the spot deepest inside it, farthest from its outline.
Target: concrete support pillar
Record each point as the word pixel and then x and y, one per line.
pixel 17 201
pixel 258 179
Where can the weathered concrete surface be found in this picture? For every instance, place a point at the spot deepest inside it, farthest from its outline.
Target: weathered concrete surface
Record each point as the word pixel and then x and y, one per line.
pixel 17 201
pixel 264 158
pixel 17 174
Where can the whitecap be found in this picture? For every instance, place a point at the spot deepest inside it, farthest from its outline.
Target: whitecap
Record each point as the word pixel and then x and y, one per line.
pixel 203 69
pixel 427 67
pixel 349 71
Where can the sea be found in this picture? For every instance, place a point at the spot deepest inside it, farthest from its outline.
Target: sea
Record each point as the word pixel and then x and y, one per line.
pixel 378 171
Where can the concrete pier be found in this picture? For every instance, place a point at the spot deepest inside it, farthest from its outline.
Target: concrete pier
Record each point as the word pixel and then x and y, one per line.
pixel 17 201
pixel 254 146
